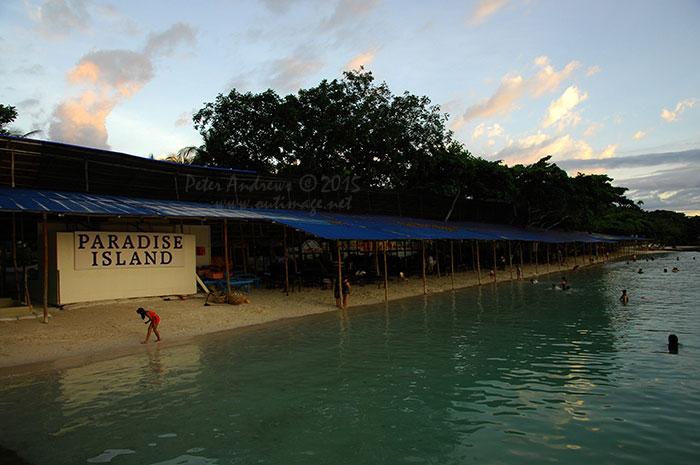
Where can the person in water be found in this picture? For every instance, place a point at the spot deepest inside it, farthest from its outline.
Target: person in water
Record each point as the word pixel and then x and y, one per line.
pixel 564 285
pixel 624 298
pixel 640 271
pixel 346 292
pixel 153 321
pixel 673 344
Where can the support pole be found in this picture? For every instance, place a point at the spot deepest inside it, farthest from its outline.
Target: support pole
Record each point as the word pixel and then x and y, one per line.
pixel 14 257
pixel 228 273
pixel 437 256
pixel 522 265
pixel 286 260
pixel 46 268
pixel 495 263
pixel 471 244
pixel 340 271
pixel 510 260
pixel 452 258
pixel 386 277
pixel 478 265
pixel 547 257
pixel 376 261
pixel 575 257
pixel 537 252
pixel 425 289
pixel 558 258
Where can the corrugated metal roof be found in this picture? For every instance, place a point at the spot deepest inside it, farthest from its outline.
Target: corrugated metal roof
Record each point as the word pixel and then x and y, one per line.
pixel 322 224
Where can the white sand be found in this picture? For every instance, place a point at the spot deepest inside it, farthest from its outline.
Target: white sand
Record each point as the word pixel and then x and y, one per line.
pixel 82 333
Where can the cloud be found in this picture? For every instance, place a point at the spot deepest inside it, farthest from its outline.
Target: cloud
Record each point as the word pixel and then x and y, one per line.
pixel 108 77
pixel 185 118
pixel 593 128
pixel 502 101
pixel 561 110
pixel 349 12
pixel 363 59
pixel 537 146
pixel 688 157
pixel 513 87
pixel 483 9
pixel 165 42
pixel 287 74
pixel 593 70
pixel 609 151
pixel 639 135
pixel 671 116
pixel 59 18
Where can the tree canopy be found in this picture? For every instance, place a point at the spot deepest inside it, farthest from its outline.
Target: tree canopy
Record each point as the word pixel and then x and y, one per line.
pixel 8 114
pixel 356 127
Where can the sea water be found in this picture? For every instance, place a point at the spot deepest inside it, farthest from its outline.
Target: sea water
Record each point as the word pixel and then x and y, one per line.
pixel 514 373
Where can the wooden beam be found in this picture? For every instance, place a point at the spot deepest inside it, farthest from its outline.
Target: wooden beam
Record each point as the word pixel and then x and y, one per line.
pixel 46 268
pixel 510 260
pixel 452 258
pixel 478 265
pixel 228 273
pixel 495 263
pixel 425 289
pixel 386 277
pixel 286 260
pixel 14 257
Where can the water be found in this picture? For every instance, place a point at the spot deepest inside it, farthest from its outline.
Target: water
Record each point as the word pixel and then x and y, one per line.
pixel 510 374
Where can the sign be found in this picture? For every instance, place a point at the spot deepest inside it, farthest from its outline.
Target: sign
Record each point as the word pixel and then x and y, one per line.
pixel 100 250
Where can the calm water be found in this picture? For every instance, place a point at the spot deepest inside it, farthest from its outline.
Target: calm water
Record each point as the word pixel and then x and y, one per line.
pixel 510 374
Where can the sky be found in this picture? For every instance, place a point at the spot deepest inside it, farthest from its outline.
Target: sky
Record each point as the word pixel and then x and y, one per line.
pixel 604 87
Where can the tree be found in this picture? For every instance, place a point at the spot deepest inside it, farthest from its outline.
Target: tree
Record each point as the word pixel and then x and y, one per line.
pixel 8 114
pixel 351 126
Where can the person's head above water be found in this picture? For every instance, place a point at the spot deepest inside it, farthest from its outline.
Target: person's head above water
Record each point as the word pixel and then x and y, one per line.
pixel 141 312
pixel 672 340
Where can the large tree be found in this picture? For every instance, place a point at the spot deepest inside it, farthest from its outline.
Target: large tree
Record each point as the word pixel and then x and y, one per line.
pixel 351 126
pixel 8 114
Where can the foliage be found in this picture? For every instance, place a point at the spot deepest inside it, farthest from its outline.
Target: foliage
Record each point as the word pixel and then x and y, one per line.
pixel 354 126
pixel 342 127
pixel 8 114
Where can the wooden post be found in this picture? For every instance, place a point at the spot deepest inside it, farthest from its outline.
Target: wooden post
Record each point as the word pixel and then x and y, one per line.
pixel 386 277
pixel 471 244
pixel 376 261
pixel 575 257
pixel 340 273
pixel 537 259
pixel 425 289
pixel 452 258
pixel 228 273
pixel 14 257
pixel 437 257
pixel 510 260
pixel 286 260
pixel 478 265
pixel 522 265
pixel 558 258
pixel 46 268
pixel 495 263
pixel 547 257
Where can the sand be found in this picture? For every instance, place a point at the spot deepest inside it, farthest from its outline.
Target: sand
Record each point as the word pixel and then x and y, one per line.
pixel 87 332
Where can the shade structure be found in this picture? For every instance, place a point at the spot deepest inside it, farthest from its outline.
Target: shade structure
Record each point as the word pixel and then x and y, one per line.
pixel 326 225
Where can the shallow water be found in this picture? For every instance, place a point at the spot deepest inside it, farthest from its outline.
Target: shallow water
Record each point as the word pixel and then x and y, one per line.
pixel 513 373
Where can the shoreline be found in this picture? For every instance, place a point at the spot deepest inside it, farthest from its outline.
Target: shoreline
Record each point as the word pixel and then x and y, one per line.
pixel 90 332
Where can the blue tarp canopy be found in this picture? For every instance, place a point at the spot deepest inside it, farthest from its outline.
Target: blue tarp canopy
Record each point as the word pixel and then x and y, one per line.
pixel 322 224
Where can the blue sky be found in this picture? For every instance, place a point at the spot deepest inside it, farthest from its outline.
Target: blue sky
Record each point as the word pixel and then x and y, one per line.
pixel 602 86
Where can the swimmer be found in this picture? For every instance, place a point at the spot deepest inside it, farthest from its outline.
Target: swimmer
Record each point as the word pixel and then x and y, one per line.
pixel 624 298
pixel 533 281
pixel 153 321
pixel 564 285
pixel 665 270
pixel 675 270
pixel 673 344
pixel 645 299
pixel 640 271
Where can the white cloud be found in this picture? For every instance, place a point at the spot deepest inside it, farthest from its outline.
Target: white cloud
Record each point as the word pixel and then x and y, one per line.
pixel 287 74
pixel 593 128
pixel 59 18
pixel 108 77
pixel 483 9
pixel 671 116
pixel 561 110
pixel 595 69
pixel 639 135
pixel 514 86
pixel 359 61
pixel 479 130
pixel 609 151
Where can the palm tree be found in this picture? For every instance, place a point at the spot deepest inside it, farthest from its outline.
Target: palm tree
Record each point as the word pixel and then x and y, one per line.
pixel 184 156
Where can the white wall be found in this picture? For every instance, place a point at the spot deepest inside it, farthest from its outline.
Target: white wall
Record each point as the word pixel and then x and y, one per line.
pixel 88 285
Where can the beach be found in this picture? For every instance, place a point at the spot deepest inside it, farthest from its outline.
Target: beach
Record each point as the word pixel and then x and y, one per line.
pixel 86 332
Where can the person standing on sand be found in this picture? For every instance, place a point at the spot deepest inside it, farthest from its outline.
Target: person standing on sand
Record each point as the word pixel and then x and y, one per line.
pixel 153 320
pixel 518 272
pixel 346 292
